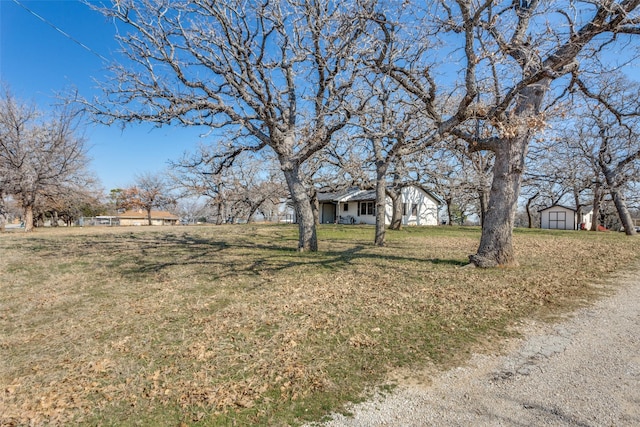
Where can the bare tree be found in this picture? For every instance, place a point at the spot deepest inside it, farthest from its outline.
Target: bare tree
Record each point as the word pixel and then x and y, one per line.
pixel 478 167
pixel 38 154
pixel 197 176
pixel 458 177
pixel 608 137
pixel 511 56
pixel 275 74
pixel 73 200
pixel 592 150
pixel 149 191
pixel 557 173
pixel 236 191
pixel 393 130
pixel 191 210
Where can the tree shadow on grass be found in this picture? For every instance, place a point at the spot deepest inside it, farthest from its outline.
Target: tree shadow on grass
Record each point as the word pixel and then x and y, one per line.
pixel 262 258
pixel 134 255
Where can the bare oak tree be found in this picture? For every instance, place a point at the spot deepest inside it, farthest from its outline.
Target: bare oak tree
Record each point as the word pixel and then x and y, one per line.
pixel 607 135
pixel 196 176
pixel 393 129
pixel 459 177
pixel 38 154
pixel 150 190
pixel 557 172
pixel 251 184
pixel 509 57
pixel 276 74
pixel 79 195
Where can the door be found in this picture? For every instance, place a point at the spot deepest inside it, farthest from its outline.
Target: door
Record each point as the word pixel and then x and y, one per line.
pixel 328 215
pixel 558 220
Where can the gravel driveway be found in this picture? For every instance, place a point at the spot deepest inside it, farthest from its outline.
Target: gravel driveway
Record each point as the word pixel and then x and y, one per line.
pixel 584 371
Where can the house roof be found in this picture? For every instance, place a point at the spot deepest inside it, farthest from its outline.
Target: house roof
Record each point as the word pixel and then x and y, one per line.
pixel 364 195
pixel 339 196
pixel 140 214
pixel 358 195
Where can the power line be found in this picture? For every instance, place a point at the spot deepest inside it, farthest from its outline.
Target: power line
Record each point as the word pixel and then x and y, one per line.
pixel 58 29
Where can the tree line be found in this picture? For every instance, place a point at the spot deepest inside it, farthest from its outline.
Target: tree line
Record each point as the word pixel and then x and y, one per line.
pixel 295 77
pixel 324 86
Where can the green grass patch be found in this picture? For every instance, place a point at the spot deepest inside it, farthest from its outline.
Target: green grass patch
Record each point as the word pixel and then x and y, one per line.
pixel 230 325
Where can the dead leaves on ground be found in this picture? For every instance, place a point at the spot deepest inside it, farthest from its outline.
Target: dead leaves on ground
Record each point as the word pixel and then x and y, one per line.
pixel 212 328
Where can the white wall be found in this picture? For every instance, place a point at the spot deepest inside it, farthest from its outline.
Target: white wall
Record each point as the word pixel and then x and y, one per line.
pixel 587 218
pixel 426 209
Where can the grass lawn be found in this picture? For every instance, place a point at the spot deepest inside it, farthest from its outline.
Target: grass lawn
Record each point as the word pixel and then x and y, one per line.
pixel 229 325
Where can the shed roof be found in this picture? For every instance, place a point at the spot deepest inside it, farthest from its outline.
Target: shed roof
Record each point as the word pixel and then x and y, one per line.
pixel 556 206
pixel 584 211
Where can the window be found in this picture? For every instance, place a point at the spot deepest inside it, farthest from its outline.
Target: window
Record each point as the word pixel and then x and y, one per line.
pixel 346 207
pixel 366 208
pixel 414 209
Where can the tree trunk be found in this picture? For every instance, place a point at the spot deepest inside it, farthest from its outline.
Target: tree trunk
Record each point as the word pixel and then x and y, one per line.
pixel 597 199
pixel 529 214
pixel 28 218
pixel 396 203
pixel 149 215
pixel 315 207
pixel 448 201
pixel 3 213
pixel 576 202
pixel 220 218
pixel 496 247
pixel 381 198
pixel 253 208
pixel 396 218
pixel 619 202
pixel 623 212
pixel 496 243
pixel 483 196
pixel 307 239
pixel 38 220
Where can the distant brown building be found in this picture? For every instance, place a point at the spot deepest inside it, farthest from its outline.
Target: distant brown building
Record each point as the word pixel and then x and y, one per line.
pixel 139 217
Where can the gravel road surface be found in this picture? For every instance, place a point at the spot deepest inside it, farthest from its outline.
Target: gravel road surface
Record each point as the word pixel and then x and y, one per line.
pixel 584 371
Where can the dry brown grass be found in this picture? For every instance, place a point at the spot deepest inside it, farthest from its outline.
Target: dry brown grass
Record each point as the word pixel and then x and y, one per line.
pixel 229 325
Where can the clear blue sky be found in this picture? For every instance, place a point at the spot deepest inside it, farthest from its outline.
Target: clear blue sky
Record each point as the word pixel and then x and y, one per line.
pixel 37 61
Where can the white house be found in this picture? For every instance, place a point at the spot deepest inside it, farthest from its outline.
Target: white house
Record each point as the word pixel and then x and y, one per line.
pixel 355 206
pixel 558 217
